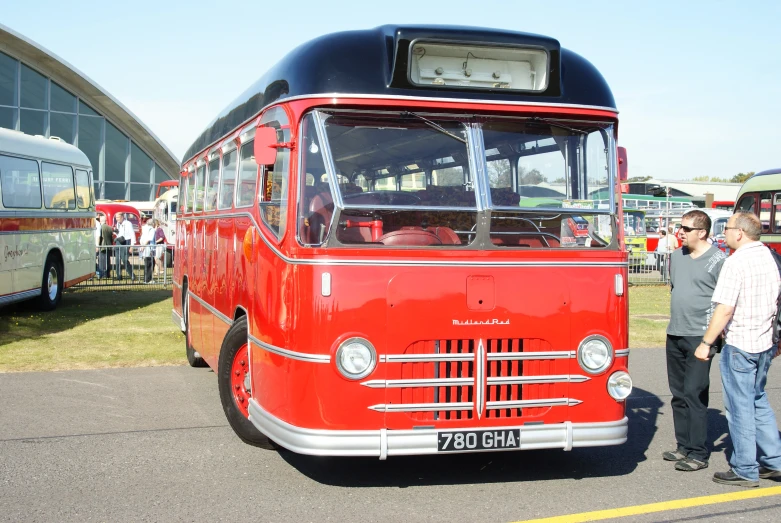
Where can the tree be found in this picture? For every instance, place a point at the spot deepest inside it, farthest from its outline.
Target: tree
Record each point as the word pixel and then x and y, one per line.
pixel 533 177
pixel 638 179
pixel 742 177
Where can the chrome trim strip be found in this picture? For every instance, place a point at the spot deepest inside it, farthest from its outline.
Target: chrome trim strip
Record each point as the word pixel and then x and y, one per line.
pixel 432 382
pixel 480 379
pixel 320 442
pixel 521 404
pixel 19 296
pixel 620 353
pixel 421 407
pixel 301 356
pixel 332 262
pixel 549 355
pixel 178 320
pixel 412 358
pixel 34 213
pixel 176 284
pixel 530 380
pixel 211 309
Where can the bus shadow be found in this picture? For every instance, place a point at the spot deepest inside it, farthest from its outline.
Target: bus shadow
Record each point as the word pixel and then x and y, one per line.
pixel 493 467
pixel 23 320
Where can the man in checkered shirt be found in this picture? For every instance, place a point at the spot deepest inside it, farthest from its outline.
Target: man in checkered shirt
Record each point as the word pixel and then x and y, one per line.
pixel 745 298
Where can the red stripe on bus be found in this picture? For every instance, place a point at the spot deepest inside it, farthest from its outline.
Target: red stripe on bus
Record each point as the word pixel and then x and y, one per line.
pixel 12 224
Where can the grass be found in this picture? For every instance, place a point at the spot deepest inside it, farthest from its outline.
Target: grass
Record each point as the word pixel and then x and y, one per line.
pixel 649 313
pixel 91 330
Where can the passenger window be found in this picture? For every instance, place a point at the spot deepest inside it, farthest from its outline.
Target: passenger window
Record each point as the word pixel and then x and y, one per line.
pixel 58 189
pixel 228 180
pixel 184 183
pixel 777 211
pixel 20 183
pixel 764 211
pixel 248 175
pixel 200 180
pixel 213 185
pixel 83 195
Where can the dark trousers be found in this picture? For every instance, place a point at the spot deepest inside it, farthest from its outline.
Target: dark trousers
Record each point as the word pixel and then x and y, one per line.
pixel 689 380
pixel 104 267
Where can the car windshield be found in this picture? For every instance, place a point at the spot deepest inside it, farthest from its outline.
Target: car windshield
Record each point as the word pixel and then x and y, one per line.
pixel 407 179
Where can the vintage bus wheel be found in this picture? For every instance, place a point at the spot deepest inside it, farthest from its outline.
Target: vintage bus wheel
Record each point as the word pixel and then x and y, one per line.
pixel 234 383
pixel 51 286
pixel 193 358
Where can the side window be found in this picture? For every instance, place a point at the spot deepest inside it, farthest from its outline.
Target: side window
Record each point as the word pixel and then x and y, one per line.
pixel 746 203
pixel 200 180
pixel 83 195
pixel 764 211
pixel 184 195
pixel 316 202
pixel 248 175
pixel 58 189
pixel 228 180
pixel 20 183
pixel 213 185
pixel 777 205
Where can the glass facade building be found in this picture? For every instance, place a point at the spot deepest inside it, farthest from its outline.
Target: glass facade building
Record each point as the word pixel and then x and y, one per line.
pixel 34 103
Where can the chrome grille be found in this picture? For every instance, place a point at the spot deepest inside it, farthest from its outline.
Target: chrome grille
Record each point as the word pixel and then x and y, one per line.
pixel 436 379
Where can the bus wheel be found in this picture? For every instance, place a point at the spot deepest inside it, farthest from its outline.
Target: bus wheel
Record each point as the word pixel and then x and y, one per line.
pixel 193 358
pixel 51 286
pixel 233 376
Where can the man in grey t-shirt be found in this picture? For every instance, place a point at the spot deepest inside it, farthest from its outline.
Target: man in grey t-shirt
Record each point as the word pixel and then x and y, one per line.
pixel 694 271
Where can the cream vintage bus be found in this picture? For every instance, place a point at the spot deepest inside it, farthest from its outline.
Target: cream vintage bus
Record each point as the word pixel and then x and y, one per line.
pixel 47 218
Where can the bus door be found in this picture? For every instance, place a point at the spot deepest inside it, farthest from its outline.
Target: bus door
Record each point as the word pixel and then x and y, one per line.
pixel 195 261
pixel 227 245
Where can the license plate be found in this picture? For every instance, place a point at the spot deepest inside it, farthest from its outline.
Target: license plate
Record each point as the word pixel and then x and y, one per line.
pixel 469 440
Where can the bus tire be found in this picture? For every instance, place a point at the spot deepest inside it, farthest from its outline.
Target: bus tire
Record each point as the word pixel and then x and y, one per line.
pixel 193 357
pixel 233 380
pixel 51 284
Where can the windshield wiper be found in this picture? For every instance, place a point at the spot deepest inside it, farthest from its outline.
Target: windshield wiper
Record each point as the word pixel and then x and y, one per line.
pixel 435 126
pixel 554 123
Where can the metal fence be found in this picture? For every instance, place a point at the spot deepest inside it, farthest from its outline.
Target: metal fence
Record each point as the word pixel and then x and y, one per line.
pixel 134 266
pixel 131 266
pixel 649 268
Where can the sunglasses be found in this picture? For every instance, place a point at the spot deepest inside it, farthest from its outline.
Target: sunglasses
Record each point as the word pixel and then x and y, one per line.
pixel 685 228
pixel 732 229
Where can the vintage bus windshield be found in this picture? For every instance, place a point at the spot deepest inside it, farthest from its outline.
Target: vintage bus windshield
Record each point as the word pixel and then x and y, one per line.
pixel 398 172
pixel 634 223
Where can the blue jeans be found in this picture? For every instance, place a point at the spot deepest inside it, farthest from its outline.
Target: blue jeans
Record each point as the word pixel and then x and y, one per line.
pixel 752 423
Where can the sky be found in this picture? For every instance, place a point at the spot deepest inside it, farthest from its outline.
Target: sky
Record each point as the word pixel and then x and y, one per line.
pixel 697 83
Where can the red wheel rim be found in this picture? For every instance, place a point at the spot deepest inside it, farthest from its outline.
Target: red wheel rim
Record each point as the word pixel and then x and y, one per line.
pixel 240 387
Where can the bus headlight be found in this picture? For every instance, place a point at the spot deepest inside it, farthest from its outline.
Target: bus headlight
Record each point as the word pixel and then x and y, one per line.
pixel 356 358
pixel 595 354
pixel 619 385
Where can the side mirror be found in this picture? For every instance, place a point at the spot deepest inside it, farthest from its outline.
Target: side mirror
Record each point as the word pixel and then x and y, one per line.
pixel 265 146
pixel 623 165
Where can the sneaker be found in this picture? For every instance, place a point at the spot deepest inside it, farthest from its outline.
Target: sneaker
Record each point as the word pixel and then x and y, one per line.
pixel 730 478
pixel 690 465
pixel 766 473
pixel 673 455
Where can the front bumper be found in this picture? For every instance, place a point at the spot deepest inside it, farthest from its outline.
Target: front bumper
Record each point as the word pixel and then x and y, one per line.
pixel 383 442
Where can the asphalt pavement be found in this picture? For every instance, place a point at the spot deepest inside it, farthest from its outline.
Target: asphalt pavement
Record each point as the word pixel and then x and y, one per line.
pixel 152 444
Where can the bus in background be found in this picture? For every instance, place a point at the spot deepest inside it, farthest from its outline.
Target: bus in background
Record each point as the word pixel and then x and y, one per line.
pixel 356 261
pixel 111 208
pixel 724 205
pixel 635 237
pixel 165 212
pixel 761 194
pixel 47 218
pixel 164 186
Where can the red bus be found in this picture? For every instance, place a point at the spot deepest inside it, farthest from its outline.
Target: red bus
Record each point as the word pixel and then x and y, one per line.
pixel 722 205
pixel 363 261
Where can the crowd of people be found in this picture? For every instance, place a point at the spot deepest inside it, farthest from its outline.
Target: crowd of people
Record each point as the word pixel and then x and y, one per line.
pixel 117 242
pixel 728 305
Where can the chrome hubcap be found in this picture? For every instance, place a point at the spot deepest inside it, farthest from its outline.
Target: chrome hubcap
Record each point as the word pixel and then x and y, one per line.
pixel 52 284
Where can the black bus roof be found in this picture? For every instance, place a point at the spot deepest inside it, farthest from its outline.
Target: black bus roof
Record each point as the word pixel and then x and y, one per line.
pixel 374 62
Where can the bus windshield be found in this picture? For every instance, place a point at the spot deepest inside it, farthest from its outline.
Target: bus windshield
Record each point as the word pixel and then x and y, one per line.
pixel 397 172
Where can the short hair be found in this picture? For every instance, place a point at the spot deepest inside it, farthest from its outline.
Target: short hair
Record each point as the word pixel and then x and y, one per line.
pixel 699 219
pixel 749 224
pixel 663 232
